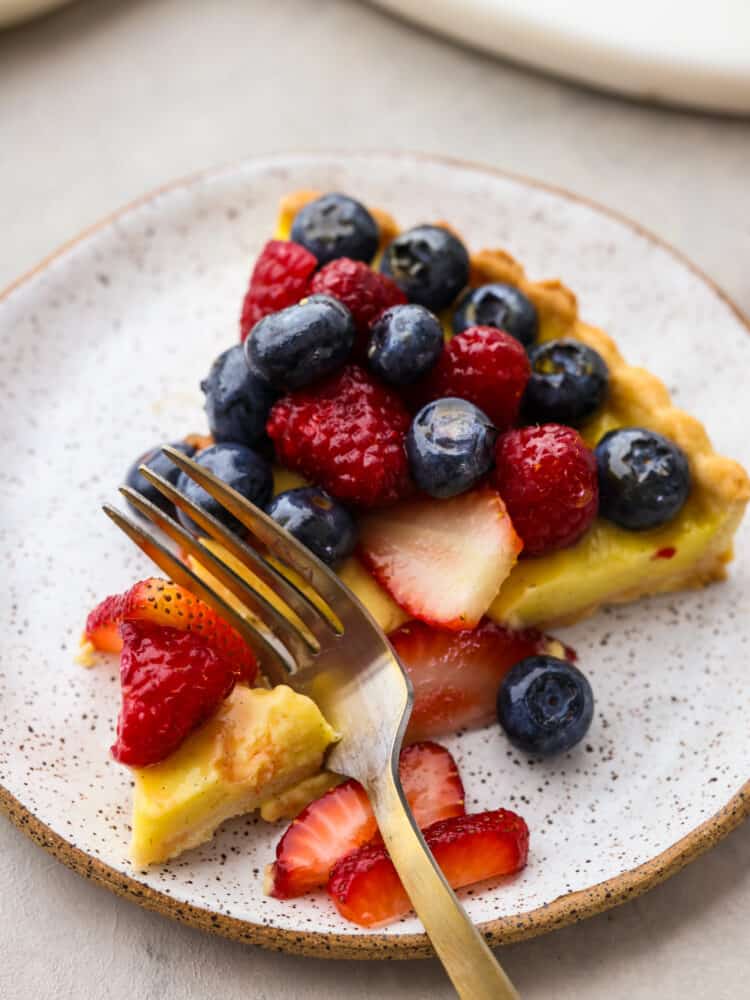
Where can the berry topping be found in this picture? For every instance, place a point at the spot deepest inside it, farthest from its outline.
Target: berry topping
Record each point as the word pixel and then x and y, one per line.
pixel 302 343
pixel 342 820
pixel 450 446
pixel 171 682
pixel 568 383
pixel 336 226
pixel 644 478
pixel 279 279
pixel 166 604
pixel 545 705
pixel 547 477
pixel 367 890
pixel 158 462
pixel 443 561
pixel 429 263
pixel 239 467
pixel 317 520
pixel 405 343
pixel 455 675
pixel 238 400
pixel 346 433
pixel 364 292
pixel 485 366
pixel 501 306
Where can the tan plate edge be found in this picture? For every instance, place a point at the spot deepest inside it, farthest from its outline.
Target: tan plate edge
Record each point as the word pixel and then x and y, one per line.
pixel 568 909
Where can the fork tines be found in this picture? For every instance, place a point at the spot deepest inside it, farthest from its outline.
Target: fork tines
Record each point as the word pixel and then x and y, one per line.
pixel 286 624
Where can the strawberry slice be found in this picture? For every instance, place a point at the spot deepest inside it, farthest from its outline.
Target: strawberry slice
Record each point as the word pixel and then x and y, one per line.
pixel 171 680
pixel 366 889
pixel 163 603
pixel 342 820
pixel 456 675
pixel 443 561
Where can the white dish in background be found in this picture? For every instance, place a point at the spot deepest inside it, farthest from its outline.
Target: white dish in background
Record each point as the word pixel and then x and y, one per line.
pixel 668 51
pixel 102 349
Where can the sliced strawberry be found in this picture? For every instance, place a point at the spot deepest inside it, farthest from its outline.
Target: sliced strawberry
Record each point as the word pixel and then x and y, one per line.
pixel 456 675
pixel 171 681
pixel 443 561
pixel 366 889
pixel 163 603
pixel 342 820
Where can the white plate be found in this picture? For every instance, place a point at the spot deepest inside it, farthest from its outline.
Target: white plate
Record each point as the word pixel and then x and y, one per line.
pixel 692 54
pixel 102 350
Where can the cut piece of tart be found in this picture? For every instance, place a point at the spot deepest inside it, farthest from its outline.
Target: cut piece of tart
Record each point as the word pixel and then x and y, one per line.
pixel 257 745
pixel 608 564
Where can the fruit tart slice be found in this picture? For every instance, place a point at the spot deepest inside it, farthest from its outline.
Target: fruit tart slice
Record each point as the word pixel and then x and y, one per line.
pixel 668 504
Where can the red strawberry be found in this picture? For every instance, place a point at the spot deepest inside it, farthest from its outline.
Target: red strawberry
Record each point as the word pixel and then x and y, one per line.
pixel 366 293
pixel 171 682
pixel 456 675
pixel 164 603
pixel 342 820
pixel 443 561
pixel 366 889
pixel 484 365
pixel 346 433
pixel 280 278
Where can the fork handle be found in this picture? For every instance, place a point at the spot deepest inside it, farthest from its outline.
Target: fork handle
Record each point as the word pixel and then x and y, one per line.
pixel 473 969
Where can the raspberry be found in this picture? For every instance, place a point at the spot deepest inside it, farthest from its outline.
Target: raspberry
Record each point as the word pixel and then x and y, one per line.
pixel 365 293
pixel 280 278
pixel 485 366
pixel 547 477
pixel 346 433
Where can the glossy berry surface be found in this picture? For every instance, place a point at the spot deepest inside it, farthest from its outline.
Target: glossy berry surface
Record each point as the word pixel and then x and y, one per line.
pixel 171 681
pixel 405 344
pixel 450 446
pixel 364 292
pixel 317 520
pixel 279 279
pixel 336 226
pixel 347 434
pixel 301 344
pixel 644 478
pixel 502 306
pixel 157 462
pixel 429 264
pixel 545 705
pixel 547 477
pixel 238 466
pixel 485 366
pixel 238 400
pixel 568 383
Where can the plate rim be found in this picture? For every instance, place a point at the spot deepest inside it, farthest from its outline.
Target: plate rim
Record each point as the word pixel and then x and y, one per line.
pixel 566 909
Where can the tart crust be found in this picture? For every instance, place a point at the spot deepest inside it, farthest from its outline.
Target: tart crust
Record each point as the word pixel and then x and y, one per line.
pixel 720 486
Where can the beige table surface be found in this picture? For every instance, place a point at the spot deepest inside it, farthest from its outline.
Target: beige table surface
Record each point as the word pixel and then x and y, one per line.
pixel 105 100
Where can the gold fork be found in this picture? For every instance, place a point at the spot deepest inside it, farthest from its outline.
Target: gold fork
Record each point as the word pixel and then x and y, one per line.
pixel 343 661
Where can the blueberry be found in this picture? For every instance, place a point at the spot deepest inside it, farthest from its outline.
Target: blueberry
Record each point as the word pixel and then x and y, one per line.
pixel 405 343
pixel 238 400
pixel 239 467
pixel 429 264
pixel 568 383
pixel 644 478
pixel 336 226
pixel 317 520
pixel 302 343
pixel 158 462
pixel 503 306
pixel 545 705
pixel 450 446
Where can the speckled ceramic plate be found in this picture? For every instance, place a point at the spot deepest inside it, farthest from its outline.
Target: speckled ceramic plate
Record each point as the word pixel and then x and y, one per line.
pixel 102 350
